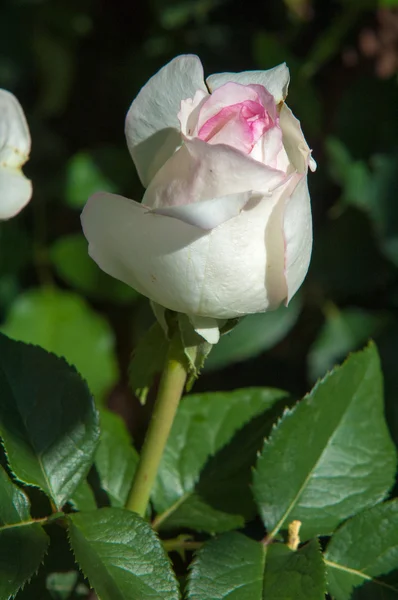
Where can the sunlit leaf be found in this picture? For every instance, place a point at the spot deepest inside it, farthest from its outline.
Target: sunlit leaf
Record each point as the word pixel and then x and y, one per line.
pixel 334 461
pixel 63 323
pixel 48 421
pixel 121 556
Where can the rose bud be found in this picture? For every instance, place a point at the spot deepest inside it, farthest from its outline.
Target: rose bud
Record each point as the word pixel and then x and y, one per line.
pixel 224 228
pixel 15 188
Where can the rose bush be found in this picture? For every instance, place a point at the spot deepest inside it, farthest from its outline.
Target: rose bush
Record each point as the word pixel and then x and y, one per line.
pixel 15 188
pixel 224 228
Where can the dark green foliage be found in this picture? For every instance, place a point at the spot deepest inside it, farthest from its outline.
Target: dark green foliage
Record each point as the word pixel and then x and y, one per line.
pixel 48 421
pixel 233 566
pixel 23 543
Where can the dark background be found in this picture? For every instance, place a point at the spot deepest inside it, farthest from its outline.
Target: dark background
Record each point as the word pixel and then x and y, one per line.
pixel 76 65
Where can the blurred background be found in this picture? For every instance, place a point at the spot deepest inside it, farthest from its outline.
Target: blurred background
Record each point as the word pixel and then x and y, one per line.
pixel 76 65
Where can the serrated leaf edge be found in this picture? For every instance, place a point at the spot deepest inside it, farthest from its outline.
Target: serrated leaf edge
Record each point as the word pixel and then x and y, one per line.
pixel 95 413
pixel 166 555
pixel 27 581
pixel 288 412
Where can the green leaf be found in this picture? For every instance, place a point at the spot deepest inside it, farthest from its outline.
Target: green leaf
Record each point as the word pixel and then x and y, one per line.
pixel 23 543
pixel 48 420
pixel 231 566
pixel 147 360
pixel 362 550
pixel 342 332
pixel 254 334
pixel 332 455
pixel 61 322
pixel 388 347
pixel 73 264
pixel 121 556
pixel 234 566
pixel 83 497
pixel 353 176
pixel 296 574
pixel 84 178
pixel 61 586
pixel 195 348
pixel 370 190
pixel 196 489
pixel 116 459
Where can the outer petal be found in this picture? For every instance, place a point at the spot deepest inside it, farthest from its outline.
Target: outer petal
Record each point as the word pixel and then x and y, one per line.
pixel 15 188
pixel 245 268
pixel 152 126
pixel 199 171
pixel 294 142
pixel 209 213
pixel 298 237
pixel 14 132
pixel 275 81
pixel 163 258
pixel 233 270
pixel 15 192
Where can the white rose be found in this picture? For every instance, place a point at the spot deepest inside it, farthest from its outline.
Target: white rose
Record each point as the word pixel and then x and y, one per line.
pixel 15 188
pixel 224 228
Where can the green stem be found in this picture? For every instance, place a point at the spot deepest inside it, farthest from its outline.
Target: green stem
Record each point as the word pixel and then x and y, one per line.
pixel 170 391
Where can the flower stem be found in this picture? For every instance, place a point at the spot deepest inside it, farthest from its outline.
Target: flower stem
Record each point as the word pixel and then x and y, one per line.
pixel 170 391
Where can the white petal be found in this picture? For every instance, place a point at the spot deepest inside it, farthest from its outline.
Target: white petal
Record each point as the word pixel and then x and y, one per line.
pixel 189 113
pixel 270 151
pixel 15 192
pixel 233 270
pixel 151 253
pixel 275 80
pixel 294 141
pixel 313 164
pixel 152 126
pixel 207 328
pixel 209 213
pixel 199 171
pixel 14 132
pixel 298 237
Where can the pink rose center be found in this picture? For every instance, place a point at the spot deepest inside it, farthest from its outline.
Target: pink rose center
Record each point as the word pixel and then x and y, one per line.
pixel 244 123
pixel 240 124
